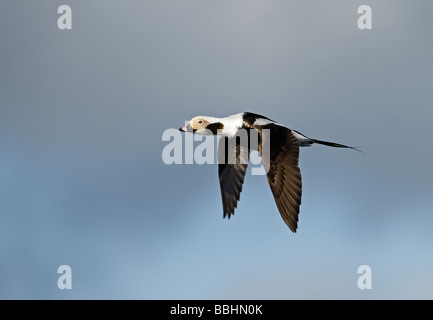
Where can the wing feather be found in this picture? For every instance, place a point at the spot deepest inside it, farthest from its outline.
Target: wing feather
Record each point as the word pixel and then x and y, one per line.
pixel 283 173
pixel 232 167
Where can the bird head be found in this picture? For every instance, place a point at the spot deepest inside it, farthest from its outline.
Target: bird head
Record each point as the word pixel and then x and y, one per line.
pixel 203 125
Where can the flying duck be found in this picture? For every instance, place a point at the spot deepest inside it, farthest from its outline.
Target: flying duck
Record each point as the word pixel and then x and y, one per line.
pixel 279 150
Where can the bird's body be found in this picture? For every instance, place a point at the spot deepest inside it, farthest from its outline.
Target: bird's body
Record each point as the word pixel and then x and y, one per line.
pixel 279 151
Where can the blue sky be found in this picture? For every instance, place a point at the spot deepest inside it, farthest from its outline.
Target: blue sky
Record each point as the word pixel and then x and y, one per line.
pixel 82 181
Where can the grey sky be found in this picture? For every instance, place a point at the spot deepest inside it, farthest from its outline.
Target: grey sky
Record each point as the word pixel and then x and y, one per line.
pixel 82 181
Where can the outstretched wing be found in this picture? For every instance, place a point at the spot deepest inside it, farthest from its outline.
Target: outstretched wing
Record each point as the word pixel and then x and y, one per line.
pixel 281 164
pixel 232 165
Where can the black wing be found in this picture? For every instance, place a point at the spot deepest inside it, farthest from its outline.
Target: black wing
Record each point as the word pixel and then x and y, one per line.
pixel 232 165
pixel 282 169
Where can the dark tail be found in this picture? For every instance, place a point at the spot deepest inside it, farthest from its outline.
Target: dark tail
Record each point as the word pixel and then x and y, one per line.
pixel 333 144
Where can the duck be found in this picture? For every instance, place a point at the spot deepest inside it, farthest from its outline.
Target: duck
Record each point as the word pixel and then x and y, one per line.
pixel 278 146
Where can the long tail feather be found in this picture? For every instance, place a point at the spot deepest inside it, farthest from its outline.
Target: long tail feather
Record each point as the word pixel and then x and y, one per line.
pixel 333 144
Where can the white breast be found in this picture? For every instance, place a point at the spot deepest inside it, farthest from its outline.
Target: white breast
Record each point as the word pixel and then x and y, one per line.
pixel 232 124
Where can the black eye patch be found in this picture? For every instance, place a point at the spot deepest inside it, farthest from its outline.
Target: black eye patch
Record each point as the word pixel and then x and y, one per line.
pixel 214 127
